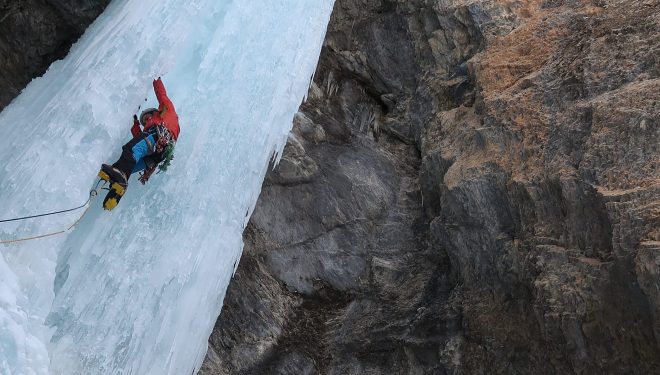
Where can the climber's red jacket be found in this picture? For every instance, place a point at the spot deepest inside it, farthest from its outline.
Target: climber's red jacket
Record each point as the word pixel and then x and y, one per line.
pixel 166 114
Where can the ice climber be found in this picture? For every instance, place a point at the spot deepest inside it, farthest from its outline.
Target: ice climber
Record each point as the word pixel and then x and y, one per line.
pixel 149 147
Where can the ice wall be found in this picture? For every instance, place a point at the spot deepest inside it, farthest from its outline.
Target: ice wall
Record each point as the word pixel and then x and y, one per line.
pixel 137 290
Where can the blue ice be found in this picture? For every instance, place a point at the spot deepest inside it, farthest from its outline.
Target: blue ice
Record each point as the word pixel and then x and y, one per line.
pixel 137 290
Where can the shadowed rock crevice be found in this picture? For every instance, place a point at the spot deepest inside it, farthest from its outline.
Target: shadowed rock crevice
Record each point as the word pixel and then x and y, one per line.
pixel 306 332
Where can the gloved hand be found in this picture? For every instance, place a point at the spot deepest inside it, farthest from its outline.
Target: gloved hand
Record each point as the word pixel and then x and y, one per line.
pixel 135 129
pixel 144 175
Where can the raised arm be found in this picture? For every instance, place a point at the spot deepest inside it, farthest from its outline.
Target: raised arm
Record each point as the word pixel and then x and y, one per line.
pixel 164 103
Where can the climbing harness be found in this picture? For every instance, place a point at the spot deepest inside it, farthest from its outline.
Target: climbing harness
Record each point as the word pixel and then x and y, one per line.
pixel 164 145
pixel 92 194
pixel 166 142
pixel 168 155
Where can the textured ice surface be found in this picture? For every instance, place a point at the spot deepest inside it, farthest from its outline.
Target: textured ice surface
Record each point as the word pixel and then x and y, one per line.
pixel 137 290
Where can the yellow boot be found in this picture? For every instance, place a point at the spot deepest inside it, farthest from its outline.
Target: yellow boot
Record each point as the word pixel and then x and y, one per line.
pixel 104 176
pixel 114 195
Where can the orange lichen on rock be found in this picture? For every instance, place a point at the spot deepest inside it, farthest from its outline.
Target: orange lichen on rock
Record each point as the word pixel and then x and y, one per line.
pixel 509 58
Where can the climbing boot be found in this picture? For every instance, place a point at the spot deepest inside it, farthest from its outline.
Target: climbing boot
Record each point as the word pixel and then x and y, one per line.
pixel 118 185
pixel 104 176
pixel 111 200
pixel 114 195
pixel 113 174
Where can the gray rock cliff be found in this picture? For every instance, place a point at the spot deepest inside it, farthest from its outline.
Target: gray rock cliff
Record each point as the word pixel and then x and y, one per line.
pixel 34 33
pixel 472 187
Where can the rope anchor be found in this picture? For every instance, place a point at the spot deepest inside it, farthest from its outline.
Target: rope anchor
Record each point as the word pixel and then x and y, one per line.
pixel 92 194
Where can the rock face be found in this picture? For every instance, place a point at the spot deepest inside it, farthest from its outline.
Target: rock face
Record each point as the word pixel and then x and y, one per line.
pixel 472 187
pixel 34 33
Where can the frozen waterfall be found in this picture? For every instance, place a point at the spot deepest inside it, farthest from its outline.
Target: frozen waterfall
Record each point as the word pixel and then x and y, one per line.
pixel 137 290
